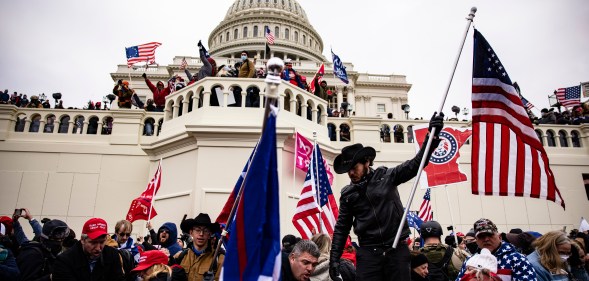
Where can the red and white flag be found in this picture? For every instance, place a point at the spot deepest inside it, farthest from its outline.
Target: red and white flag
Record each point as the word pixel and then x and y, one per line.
pixel 508 159
pixel 318 76
pixel 140 206
pixel 317 210
pixel 425 210
pixel 303 152
pixel 443 167
pixel 183 64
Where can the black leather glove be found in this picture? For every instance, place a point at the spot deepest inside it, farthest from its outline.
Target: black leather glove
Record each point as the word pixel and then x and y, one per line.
pixel 437 121
pixel 334 271
pixel 144 75
pixel 120 82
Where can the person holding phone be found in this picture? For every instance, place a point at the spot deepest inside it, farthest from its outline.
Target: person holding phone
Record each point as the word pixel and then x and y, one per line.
pixel 19 234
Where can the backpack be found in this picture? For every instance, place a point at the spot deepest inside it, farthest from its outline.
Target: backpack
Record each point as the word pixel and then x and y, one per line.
pixel 439 271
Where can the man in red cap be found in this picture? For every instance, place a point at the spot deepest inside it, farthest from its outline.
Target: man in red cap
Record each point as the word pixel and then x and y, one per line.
pixel 90 258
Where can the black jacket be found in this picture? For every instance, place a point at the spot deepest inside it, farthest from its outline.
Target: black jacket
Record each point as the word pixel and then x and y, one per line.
pixel 373 206
pixel 35 262
pixel 72 265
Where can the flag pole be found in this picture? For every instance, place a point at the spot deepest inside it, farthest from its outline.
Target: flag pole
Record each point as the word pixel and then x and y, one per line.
pixel 316 180
pixel 429 141
pixel 274 68
pixel 451 216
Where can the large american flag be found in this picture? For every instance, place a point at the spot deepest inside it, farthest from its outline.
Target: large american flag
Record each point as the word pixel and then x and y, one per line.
pixel 142 53
pixel 569 97
pixel 507 157
pixel 310 208
pixel 269 36
pixel 425 210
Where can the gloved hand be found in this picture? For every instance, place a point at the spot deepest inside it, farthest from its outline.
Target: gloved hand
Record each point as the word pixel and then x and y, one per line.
pixel 437 121
pixel 144 75
pixel 334 271
pixel 120 82
pixel 199 45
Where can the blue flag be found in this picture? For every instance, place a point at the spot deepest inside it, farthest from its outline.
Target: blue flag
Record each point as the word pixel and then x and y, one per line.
pixel 339 70
pixel 253 250
pixel 413 220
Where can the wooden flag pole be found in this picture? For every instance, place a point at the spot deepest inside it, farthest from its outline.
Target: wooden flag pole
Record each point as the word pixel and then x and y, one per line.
pixel 432 133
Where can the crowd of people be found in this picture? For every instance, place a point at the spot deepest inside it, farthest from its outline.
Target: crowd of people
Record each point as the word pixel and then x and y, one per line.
pixel 579 114
pixel 22 100
pixel 101 252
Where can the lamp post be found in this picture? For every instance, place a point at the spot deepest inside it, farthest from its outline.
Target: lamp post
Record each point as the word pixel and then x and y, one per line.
pixel 456 110
pixel 350 110
pixel 465 112
pixel 42 97
pixel 406 108
pixel 104 101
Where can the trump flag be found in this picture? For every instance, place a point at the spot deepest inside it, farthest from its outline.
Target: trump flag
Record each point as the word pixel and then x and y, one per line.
pixel 443 167
pixel 253 250
pixel 140 206
pixel 303 151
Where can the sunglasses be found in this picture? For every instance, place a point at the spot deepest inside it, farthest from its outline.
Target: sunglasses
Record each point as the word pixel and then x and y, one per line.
pixel 164 231
pixel 123 234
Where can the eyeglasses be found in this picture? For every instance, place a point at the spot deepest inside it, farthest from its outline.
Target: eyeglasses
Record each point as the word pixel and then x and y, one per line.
pixel 201 231
pixel 122 234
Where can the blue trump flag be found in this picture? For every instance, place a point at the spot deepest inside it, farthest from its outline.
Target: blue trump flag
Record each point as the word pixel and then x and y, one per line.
pixel 413 220
pixel 339 70
pixel 253 250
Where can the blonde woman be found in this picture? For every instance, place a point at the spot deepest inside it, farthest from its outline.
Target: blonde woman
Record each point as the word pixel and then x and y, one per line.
pixel 550 257
pixel 153 266
pixel 323 242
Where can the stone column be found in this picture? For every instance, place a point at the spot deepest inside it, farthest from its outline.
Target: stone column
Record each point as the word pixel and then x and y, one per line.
pixel 261 98
pixel 367 105
pixel 314 115
pixel 359 102
pixel 352 98
pixel 71 126
pixel 304 110
pixel 293 104
pixel 340 98
pixel 7 120
pixel 243 96
pixel 27 125
pixel 186 103
pixel 206 99
pixel 175 111
pixel 324 118
pixel 195 101
pixel 337 132
pixel 56 125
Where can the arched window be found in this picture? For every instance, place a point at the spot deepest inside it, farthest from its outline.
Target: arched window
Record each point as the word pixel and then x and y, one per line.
pixel 79 125
pixel 49 124
pixel 35 123
pixel 92 126
pixel 539 134
pixel 575 139
pixel 286 34
pixel 304 39
pixel 398 134
pixel 256 31
pixel 344 133
pixel 550 138
pixel 148 127
pixel 220 38
pixel 277 32
pixel 20 123
pixel 385 133
pixel 296 36
pixel 64 124
pixel 331 131
pixel 562 136
pixel 107 125
pixel 227 37
pixel 235 33
pixel 245 32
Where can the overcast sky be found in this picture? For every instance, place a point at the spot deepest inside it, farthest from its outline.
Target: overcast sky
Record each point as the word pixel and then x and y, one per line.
pixel 72 46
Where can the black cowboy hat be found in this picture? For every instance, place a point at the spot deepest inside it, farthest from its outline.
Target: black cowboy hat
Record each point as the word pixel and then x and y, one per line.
pixel 351 155
pixel 200 220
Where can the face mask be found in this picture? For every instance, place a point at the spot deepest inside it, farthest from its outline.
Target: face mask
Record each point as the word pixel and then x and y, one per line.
pixel 243 58
pixel 564 258
pixel 472 247
pixel 53 246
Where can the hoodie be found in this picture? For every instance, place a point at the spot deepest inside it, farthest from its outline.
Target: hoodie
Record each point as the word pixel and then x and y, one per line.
pixel 511 265
pixel 171 244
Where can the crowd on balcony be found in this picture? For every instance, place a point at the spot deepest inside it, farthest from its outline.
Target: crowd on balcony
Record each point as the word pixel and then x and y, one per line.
pixel 579 114
pixel 103 250
pixel 22 100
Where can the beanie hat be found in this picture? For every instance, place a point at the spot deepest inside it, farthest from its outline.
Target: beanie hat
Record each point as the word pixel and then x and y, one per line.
pixel 417 260
pixel 483 260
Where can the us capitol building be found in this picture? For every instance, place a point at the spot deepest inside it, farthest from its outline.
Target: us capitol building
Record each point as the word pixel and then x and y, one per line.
pixel 64 169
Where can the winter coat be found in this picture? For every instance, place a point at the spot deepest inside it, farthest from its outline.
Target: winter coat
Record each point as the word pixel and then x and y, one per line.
pixel 124 95
pixel 159 97
pixel 20 235
pixel 73 265
pixel 321 272
pixel 295 80
pixel 197 266
pixel 35 261
pixel 8 268
pixel 374 207
pixel 510 264
pixel 172 243
pixel 206 70
pixel 247 69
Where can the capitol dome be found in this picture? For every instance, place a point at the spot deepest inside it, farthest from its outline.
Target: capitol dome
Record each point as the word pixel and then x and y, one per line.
pixel 244 25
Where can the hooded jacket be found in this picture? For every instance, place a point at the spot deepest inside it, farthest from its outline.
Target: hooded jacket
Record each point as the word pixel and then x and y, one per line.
pixel 510 264
pixel 172 243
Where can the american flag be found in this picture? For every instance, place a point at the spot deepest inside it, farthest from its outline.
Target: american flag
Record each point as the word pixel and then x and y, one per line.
pixel 507 157
pixel 306 218
pixel 142 53
pixel 425 211
pixel 569 97
pixel 183 64
pixel 269 36
pixel 526 103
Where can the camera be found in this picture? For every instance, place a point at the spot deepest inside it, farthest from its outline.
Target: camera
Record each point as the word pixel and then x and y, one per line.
pixel 19 212
pixel 450 228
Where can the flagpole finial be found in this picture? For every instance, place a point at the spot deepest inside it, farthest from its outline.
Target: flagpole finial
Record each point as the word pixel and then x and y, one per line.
pixel 473 10
pixel 274 68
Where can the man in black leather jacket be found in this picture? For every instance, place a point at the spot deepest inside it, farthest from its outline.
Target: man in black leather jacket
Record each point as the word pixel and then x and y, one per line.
pixel 372 205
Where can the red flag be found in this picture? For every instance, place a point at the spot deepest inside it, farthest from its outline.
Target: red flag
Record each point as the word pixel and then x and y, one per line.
pixel 303 151
pixel 508 159
pixel 311 209
pixel 141 205
pixel 443 166
pixel 318 76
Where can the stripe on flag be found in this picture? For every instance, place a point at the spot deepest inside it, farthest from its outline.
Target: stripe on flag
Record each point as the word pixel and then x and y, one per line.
pixel 142 53
pixel 425 210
